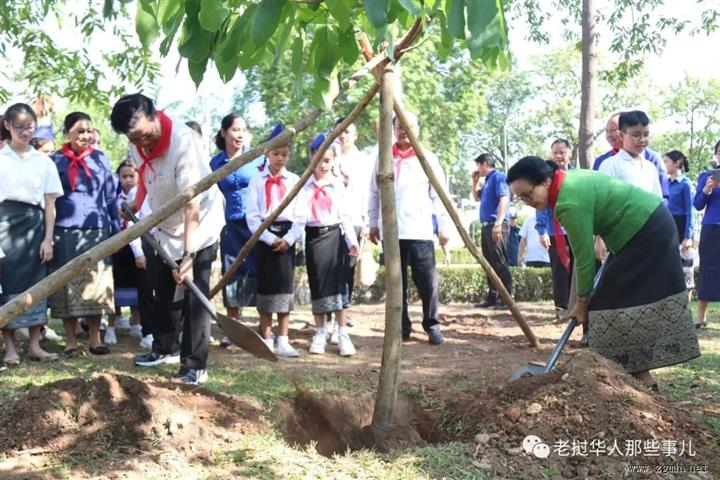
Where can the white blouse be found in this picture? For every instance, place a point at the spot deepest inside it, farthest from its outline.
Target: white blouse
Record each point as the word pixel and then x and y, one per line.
pixel 27 179
pixel 339 212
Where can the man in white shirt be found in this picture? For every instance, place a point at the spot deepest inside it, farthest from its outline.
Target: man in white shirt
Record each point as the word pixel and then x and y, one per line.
pixel 416 201
pixel 171 160
pixel 537 256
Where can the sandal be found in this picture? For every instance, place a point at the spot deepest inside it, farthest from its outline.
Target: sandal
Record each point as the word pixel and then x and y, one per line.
pixel 45 357
pixel 701 325
pixel 12 361
pixel 71 353
pixel 100 350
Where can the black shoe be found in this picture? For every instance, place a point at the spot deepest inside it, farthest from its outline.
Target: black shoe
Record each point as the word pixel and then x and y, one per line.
pixel 501 306
pixel 181 372
pixel 485 304
pixel 154 358
pixel 406 335
pixel 435 336
pixel 192 377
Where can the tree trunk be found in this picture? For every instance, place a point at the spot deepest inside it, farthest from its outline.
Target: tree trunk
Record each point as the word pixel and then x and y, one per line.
pixel 588 87
pixel 469 244
pixel 392 345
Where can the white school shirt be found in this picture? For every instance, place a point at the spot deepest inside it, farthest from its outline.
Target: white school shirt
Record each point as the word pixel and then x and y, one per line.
pixel 535 251
pixel 415 199
pixel 27 179
pixel 356 169
pixel 643 174
pixel 184 164
pixel 255 211
pixel 339 209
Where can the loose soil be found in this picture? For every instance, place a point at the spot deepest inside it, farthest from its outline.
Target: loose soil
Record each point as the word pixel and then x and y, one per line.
pixel 457 391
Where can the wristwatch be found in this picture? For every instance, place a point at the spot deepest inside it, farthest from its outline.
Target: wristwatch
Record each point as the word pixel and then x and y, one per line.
pixel 189 254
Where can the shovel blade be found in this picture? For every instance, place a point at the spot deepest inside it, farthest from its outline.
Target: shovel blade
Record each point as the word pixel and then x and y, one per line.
pixel 528 370
pixel 245 338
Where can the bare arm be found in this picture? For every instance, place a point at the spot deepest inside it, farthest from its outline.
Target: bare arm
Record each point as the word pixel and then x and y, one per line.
pixel 46 248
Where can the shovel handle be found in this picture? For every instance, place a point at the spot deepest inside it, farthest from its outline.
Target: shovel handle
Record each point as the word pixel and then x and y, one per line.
pixel 170 262
pixel 560 345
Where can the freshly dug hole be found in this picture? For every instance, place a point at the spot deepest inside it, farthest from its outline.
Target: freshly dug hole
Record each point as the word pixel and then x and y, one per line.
pixel 338 423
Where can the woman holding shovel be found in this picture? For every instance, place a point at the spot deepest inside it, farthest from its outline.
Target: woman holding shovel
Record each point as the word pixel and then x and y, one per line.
pixel 638 312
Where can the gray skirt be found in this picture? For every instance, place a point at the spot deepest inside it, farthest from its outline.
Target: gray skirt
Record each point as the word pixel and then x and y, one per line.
pixel 22 229
pixel 91 292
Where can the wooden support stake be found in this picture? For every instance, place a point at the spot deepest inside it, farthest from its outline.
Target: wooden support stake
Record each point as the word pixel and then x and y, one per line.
pixel 383 414
pixel 245 250
pixel 469 244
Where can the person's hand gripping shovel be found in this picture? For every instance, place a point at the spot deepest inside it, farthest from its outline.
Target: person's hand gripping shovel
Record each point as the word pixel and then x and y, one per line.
pixel 241 335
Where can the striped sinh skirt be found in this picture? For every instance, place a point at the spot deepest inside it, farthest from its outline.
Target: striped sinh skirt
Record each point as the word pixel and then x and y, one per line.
pixel 126 278
pixel 22 229
pixel 91 292
pixel 276 274
pixel 639 314
pixel 709 278
pixel 326 255
pixel 242 290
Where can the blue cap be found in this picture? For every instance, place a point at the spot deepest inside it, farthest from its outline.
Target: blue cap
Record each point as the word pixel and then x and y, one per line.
pixel 44 132
pixel 315 145
pixel 277 130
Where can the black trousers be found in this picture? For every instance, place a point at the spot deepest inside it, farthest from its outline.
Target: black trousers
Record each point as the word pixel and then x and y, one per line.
pixel 352 262
pixel 170 313
pixel 420 256
pixel 146 288
pixel 495 254
pixel 561 276
pixel 537 264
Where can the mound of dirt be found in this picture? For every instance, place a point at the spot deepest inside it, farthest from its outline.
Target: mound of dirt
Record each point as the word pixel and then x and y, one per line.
pixel 593 417
pixel 121 414
pixel 337 423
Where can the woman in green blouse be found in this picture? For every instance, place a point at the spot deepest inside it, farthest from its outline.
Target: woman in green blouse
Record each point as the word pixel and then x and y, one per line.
pixel 638 311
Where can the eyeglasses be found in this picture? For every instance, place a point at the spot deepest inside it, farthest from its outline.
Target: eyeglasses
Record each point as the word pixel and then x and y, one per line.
pixel 23 128
pixel 527 196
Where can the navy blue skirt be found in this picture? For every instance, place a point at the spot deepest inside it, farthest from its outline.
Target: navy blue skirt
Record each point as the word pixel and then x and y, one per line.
pixel 241 292
pixel 709 249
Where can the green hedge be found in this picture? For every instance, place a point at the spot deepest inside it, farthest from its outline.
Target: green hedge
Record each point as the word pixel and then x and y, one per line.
pixel 458 284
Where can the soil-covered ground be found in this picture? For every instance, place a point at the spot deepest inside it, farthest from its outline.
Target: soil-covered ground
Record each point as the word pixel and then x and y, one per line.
pixel 588 419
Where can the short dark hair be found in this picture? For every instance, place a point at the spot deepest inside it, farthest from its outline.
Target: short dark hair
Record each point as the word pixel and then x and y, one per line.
pixel 11 115
pixel 72 118
pixel 195 126
pixel 534 170
pixel 633 118
pixel 717 147
pixel 128 109
pixel 225 123
pixel 485 158
pixel 562 141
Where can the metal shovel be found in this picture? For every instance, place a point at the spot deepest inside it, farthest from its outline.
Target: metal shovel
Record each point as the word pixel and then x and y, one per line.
pixel 534 369
pixel 241 335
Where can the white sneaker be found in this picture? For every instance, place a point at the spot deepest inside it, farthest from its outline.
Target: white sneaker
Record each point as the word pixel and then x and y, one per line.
pixel 136 331
pixel 334 337
pixel 50 335
pixel 122 323
pixel 287 350
pixel 317 346
pixel 347 349
pixel 110 337
pixel 270 343
pixel 147 342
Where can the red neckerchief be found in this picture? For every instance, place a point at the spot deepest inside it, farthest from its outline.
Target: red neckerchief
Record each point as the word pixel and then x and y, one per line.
pixel 320 200
pixel 560 244
pixel 76 160
pixel 401 155
pixel 160 148
pixel 269 182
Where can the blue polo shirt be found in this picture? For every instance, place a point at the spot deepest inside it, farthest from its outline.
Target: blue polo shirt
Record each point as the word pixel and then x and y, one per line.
pixel 234 186
pixel 495 187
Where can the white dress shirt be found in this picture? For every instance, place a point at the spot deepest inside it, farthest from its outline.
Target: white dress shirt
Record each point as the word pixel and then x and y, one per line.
pixel 27 179
pixel 535 251
pixel 339 208
pixel 183 165
pixel 642 173
pixel 356 169
pixel 256 211
pixel 415 199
